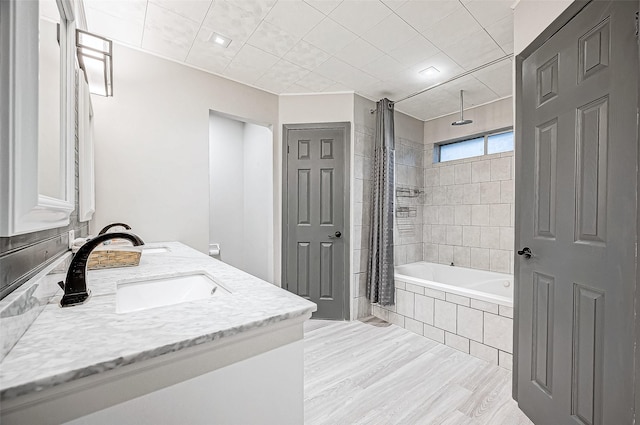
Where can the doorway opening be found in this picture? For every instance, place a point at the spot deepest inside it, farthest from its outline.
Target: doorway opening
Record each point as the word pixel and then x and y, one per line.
pixel 241 194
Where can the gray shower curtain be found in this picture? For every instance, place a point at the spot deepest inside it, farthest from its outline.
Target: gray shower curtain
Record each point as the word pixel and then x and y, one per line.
pixel 380 285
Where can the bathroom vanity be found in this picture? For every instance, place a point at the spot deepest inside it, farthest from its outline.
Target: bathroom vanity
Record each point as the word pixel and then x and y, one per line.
pixel 233 355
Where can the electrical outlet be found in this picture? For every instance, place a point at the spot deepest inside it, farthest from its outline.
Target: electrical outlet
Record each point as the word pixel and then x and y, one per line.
pixel 72 237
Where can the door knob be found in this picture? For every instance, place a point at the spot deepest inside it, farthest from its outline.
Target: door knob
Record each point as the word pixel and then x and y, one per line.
pixel 526 252
pixel 336 235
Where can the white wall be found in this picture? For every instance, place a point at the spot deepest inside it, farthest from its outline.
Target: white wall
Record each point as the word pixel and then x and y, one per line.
pixel 531 17
pixel 241 201
pixel 258 202
pixel 152 144
pixel 226 225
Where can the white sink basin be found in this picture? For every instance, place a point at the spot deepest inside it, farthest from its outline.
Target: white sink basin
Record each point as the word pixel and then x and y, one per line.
pixel 166 290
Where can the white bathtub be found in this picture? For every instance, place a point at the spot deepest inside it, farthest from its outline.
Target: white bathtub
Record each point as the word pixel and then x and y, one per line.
pixel 477 284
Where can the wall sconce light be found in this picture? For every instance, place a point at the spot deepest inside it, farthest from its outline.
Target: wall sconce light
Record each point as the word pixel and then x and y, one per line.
pixel 95 58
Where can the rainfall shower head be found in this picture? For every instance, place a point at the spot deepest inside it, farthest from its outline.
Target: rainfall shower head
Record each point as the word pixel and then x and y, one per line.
pixel 461 121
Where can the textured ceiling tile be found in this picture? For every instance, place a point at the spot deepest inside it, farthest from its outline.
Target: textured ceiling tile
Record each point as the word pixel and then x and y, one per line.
pixel 254 57
pixel 359 15
pixel 216 64
pixel 384 67
pixel 124 22
pixel 315 82
pixel 502 31
pixel 452 29
pixel 359 53
pixel 394 4
pixel 474 50
pixel 498 77
pixel 344 73
pixel 306 55
pixel 231 21
pixel 192 9
pixel 163 24
pixel 285 72
pixel 475 92
pixel 208 55
pixel 423 14
pixel 489 11
pixel 390 33
pixel 296 89
pixel 324 6
pixel 259 8
pixel 243 73
pixel 272 39
pixel 414 51
pixel 330 36
pixel 294 17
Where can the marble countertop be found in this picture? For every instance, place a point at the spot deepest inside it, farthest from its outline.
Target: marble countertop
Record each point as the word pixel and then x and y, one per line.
pixel 65 344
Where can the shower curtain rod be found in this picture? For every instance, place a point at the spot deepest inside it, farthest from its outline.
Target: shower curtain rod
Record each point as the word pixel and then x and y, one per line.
pixel 464 74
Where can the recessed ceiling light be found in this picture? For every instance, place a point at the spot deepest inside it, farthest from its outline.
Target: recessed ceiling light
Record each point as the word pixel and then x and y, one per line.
pixel 430 72
pixel 219 39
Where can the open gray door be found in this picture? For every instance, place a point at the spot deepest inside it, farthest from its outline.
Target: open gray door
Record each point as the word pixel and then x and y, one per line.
pixel 576 221
pixel 316 217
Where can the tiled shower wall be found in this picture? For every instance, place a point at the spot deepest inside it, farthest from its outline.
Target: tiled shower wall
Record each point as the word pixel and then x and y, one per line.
pixel 409 174
pixel 469 204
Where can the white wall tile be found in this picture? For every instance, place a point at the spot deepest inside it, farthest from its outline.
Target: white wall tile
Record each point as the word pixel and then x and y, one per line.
pixel 506 191
pixel 445 316
pixel 457 299
pixel 471 236
pixel 500 214
pixel 424 309
pixel 500 260
pixel 434 293
pixel 414 252
pixel 505 360
pixel 439 195
pixel 430 214
pixel 490 237
pixel 501 169
pixel 446 214
pixel 462 215
pixel 462 256
pixel 404 303
pixel 445 254
pixel 484 352
pixel 439 234
pixel 462 173
pixel 490 192
pixel 400 284
pixel 454 235
pixel 433 333
pixel 480 171
pixel 480 215
pixel 430 253
pixel 416 289
pixel 457 342
pixel 480 258
pixel 447 175
pixel 414 326
pixel 506 311
pixel 469 323
pixel 484 306
pixel 396 319
pixel 471 193
pixel 498 332
pixel 506 238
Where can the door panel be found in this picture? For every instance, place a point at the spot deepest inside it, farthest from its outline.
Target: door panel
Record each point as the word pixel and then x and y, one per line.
pixel 316 254
pixel 577 212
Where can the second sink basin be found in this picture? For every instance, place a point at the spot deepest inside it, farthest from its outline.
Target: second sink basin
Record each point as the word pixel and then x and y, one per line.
pixel 161 291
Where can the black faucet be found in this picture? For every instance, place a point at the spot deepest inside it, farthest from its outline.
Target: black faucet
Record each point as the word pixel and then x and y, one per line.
pixel 109 226
pixel 75 285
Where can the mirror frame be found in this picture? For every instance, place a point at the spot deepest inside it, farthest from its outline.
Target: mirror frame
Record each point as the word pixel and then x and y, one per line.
pixel 22 208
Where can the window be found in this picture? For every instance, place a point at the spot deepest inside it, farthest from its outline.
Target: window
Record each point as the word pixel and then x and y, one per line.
pixel 486 144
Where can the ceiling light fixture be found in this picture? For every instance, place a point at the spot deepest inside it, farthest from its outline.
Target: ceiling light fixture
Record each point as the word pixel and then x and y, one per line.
pixel 219 39
pixel 95 54
pixel 431 71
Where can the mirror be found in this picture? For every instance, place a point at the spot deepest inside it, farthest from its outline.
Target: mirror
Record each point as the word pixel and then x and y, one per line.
pixel 51 160
pixel 37 115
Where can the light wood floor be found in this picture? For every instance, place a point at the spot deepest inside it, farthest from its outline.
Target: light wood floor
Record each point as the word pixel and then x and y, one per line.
pixel 374 373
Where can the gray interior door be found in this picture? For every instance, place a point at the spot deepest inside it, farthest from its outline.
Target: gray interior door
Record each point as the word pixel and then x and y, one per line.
pixel 576 212
pixel 315 255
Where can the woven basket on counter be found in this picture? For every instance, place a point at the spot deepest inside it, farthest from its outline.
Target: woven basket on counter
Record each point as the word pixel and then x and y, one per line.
pixel 108 257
